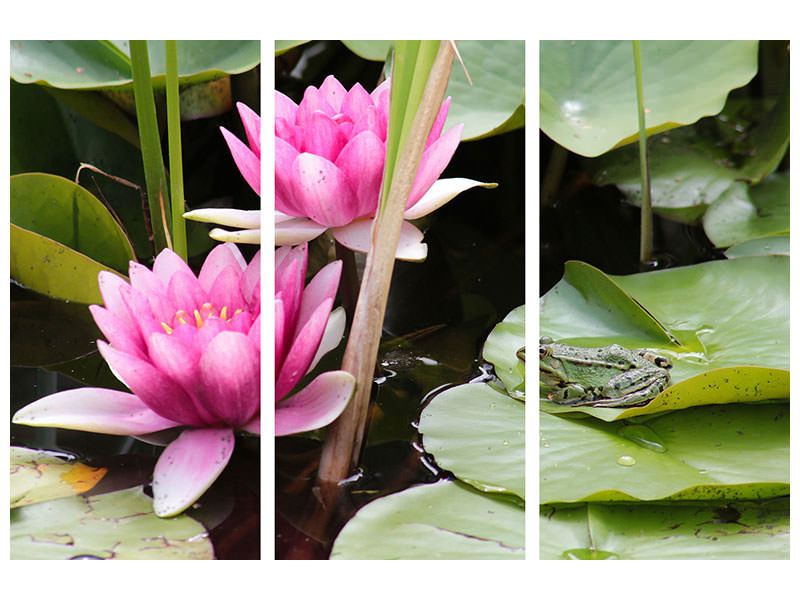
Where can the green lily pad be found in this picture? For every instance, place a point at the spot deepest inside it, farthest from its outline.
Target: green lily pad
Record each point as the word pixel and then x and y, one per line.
pixel 739 530
pixel 769 141
pixel 735 218
pixel 477 433
pixel 732 451
pixel 501 348
pixel 588 96
pixel 117 525
pixel 713 313
pixel 774 244
pixel 282 46
pixel 370 49
pixel 495 102
pixel 63 211
pixel 686 175
pixel 444 520
pixel 102 64
pixel 72 139
pixel 53 269
pixel 587 303
pixel 37 476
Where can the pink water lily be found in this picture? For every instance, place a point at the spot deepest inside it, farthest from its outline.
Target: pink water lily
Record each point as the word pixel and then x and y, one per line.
pixel 306 329
pixel 189 349
pixel 330 152
pixel 248 159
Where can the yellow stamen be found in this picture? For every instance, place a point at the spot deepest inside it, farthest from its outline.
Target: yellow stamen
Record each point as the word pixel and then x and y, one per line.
pixel 238 310
pixel 223 314
pixel 166 327
pixel 182 317
pixel 198 319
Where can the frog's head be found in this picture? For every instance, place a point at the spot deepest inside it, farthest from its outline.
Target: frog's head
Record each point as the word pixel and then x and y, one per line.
pixel 551 369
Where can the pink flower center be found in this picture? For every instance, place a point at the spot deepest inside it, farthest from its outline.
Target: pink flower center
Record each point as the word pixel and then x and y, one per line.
pixel 199 316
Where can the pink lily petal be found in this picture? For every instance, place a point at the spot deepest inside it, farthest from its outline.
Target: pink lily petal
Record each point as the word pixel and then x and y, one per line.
pixel 253 426
pixel 358 236
pixel 280 331
pixel 285 155
pixel 323 137
pixel 312 101
pixel 138 306
pixel 297 231
pixel 168 263
pixel 440 193
pixel 220 257
pixel 118 332
pixel 188 467
pixel 316 405
pixel 143 279
pixel 333 92
pixel 94 409
pixel 438 123
pixel 185 292
pixel 251 280
pixel 299 356
pixel 362 160
pixel 110 286
pixel 230 378
pixel 356 101
pixel 255 333
pixel 285 108
pixel 334 331
pixel 322 287
pixel 252 127
pixel 154 388
pixel 434 161
pixel 225 291
pixel 322 191
pixel 248 163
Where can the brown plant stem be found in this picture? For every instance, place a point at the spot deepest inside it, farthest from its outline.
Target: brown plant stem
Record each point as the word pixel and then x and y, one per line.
pixel 343 441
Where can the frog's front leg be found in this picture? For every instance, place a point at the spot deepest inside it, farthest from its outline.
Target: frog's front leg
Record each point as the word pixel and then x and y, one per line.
pixel 572 394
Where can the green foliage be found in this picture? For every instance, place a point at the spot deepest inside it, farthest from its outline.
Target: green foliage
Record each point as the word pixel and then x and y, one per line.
pixel 116 525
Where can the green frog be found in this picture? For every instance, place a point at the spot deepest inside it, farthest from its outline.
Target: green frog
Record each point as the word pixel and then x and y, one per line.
pixel 611 376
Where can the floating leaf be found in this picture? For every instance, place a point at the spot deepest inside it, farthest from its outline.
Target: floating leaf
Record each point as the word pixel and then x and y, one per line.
pixel 495 102
pixel 117 525
pixel 739 530
pixel 732 451
pixel 501 348
pixel 477 433
pixel 444 520
pixel 92 64
pixel 735 218
pixel 774 244
pixel 37 476
pixel 370 49
pixel 711 309
pixel 588 95
pixel 686 175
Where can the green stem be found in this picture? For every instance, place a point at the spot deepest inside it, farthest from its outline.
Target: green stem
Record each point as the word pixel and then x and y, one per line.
pixel 344 437
pixel 646 239
pixel 553 174
pixel 175 155
pixel 152 159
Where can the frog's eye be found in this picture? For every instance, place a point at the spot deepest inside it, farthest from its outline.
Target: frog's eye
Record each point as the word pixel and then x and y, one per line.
pixel 545 351
pixel 662 362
